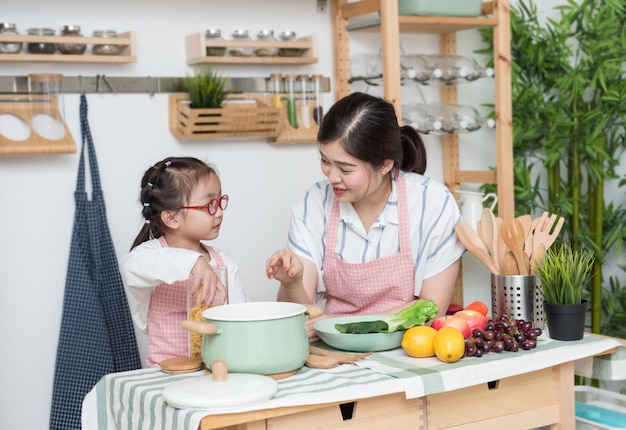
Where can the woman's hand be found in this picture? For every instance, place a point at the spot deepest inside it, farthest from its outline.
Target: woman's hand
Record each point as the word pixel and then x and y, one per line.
pixel 309 327
pixel 213 290
pixel 284 266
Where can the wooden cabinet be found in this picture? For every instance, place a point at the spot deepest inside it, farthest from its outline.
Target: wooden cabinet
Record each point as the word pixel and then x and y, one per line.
pixel 391 25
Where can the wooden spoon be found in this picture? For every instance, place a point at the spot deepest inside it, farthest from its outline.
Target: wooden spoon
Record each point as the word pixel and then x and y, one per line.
pixel 319 362
pixel 502 248
pixel 490 234
pixel 513 235
pixel 526 222
pixel 509 264
pixel 469 238
pixel 341 357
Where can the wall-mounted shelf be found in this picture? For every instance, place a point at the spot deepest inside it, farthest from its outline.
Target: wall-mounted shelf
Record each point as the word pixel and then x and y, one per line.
pixel 196 45
pixel 126 40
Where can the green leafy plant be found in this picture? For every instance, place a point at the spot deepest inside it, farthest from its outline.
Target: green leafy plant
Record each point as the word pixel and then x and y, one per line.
pixel 207 89
pixel 416 314
pixel 569 112
pixel 563 274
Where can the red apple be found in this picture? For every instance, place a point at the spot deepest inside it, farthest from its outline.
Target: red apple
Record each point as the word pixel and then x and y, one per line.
pixel 474 319
pixel 453 308
pixel 452 321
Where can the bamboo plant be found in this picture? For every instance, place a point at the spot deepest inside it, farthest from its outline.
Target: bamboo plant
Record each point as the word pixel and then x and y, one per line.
pixel 569 109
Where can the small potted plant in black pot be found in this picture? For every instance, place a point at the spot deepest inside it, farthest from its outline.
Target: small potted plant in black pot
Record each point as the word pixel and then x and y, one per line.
pixel 563 274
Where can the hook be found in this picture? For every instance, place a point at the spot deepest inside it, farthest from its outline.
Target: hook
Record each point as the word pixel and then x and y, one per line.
pixel 97 83
pixel 152 86
pixel 80 85
pixel 104 78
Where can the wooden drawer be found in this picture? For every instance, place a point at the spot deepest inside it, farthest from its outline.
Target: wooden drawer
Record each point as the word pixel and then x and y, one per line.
pixel 519 402
pixel 390 411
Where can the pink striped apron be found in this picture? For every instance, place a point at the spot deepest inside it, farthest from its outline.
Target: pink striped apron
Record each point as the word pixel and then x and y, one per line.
pixel 373 286
pixel 168 307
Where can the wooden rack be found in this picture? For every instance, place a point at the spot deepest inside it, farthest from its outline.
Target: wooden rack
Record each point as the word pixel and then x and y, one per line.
pixel 197 43
pixel 390 25
pixel 126 40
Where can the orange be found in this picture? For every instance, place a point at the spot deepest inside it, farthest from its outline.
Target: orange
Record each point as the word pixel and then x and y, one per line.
pixel 449 344
pixel 478 306
pixel 418 341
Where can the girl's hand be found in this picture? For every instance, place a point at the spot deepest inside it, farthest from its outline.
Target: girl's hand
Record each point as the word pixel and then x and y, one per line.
pixel 213 290
pixel 284 266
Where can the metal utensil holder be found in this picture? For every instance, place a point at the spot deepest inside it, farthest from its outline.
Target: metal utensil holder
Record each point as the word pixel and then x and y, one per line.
pixel 518 296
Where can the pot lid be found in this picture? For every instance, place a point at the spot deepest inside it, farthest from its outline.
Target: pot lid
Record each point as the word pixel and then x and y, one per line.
pixel 220 390
pixel 254 311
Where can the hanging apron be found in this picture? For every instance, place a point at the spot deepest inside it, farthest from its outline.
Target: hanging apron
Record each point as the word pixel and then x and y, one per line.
pixel 97 334
pixel 376 285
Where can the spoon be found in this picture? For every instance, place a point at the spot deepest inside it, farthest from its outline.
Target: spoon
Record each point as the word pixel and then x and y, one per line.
pixel 526 222
pixel 320 362
pixel 509 265
pixel 490 234
pixel 469 238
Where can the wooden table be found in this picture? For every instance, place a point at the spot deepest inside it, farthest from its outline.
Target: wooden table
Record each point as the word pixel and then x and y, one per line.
pixel 535 399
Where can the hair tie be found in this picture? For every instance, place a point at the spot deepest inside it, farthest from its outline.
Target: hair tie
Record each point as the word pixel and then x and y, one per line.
pixel 150 184
pixel 168 163
pixel 146 204
pixel 146 221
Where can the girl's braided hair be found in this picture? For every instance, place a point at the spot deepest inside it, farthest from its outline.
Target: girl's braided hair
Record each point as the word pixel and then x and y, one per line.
pixel 167 186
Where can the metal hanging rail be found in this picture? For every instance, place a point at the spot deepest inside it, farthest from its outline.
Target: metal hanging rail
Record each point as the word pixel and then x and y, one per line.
pixel 102 84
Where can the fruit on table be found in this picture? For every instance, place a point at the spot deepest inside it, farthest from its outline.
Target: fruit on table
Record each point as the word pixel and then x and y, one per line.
pixel 502 334
pixel 419 341
pixel 453 308
pixel 449 344
pixel 453 321
pixel 474 319
pixel 478 306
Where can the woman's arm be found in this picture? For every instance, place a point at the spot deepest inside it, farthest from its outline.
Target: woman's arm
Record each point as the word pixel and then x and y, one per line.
pixel 440 287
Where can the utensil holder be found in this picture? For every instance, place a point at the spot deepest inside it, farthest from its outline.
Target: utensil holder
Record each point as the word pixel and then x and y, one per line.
pixel 518 296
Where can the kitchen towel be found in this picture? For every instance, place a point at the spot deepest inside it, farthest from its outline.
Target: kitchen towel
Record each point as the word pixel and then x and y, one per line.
pixel 96 336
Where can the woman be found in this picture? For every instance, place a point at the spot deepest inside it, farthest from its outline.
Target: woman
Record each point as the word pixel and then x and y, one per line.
pixel 376 234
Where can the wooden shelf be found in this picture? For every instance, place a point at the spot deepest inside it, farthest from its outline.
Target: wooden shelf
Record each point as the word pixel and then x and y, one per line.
pixel 126 40
pixel 197 43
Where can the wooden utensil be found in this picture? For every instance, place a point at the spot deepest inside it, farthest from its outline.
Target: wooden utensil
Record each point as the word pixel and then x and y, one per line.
pixel 490 234
pixel 526 222
pixel 547 231
pixel 320 362
pixel 512 233
pixel 537 257
pixel 502 248
pixel 341 357
pixel 509 264
pixel 469 238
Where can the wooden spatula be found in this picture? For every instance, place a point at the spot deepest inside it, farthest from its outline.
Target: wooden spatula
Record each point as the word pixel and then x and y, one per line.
pixel 469 238
pixel 512 233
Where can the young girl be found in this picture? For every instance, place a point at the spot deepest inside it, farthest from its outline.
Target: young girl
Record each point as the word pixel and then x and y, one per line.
pixel 183 207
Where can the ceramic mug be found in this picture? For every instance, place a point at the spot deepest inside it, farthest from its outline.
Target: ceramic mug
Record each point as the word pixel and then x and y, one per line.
pixel 471 204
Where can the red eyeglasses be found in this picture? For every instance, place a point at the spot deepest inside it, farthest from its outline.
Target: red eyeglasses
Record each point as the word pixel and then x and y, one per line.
pixel 212 206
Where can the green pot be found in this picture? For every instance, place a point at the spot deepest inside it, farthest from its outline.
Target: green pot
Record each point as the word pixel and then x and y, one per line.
pixel 262 338
pixel 566 322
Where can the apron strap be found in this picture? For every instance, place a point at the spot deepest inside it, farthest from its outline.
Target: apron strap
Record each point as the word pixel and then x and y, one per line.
pixel 93 162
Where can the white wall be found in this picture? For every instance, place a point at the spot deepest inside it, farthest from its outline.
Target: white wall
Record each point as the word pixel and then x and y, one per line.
pixel 131 133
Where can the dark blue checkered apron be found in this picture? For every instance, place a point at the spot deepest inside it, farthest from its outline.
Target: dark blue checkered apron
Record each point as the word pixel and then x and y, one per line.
pixel 96 328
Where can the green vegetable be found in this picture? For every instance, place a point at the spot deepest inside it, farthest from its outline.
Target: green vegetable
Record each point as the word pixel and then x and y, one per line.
pixel 417 314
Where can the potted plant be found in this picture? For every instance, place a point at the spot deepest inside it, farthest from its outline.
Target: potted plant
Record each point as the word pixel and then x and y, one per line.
pixel 207 89
pixel 563 273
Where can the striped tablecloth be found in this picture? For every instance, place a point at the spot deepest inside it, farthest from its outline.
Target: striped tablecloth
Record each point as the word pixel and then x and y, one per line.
pixel 133 400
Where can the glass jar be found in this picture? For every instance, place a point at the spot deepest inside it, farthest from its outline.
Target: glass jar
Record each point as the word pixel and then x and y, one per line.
pixel 106 49
pixel 241 51
pixel 213 34
pixel 318 109
pixel 263 51
pixel 8 28
pixel 292 113
pixel 289 36
pixel 276 88
pixel 71 48
pixel 41 47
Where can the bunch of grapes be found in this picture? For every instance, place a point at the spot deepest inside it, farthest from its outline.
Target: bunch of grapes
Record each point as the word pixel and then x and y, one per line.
pixel 502 334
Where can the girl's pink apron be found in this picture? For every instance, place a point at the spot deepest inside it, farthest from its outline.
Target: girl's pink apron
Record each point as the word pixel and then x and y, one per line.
pixel 168 307
pixel 373 286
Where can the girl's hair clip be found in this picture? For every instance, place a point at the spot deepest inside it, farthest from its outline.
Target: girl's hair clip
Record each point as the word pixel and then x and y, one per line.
pixel 146 221
pixel 168 163
pixel 150 184
pixel 146 204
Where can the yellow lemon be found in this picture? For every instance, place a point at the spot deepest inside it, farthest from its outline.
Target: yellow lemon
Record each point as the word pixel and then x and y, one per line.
pixel 449 344
pixel 418 341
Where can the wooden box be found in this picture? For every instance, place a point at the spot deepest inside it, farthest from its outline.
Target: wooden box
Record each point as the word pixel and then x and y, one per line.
pixel 240 117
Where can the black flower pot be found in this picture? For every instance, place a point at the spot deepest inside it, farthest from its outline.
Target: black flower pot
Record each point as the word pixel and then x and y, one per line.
pixel 566 322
